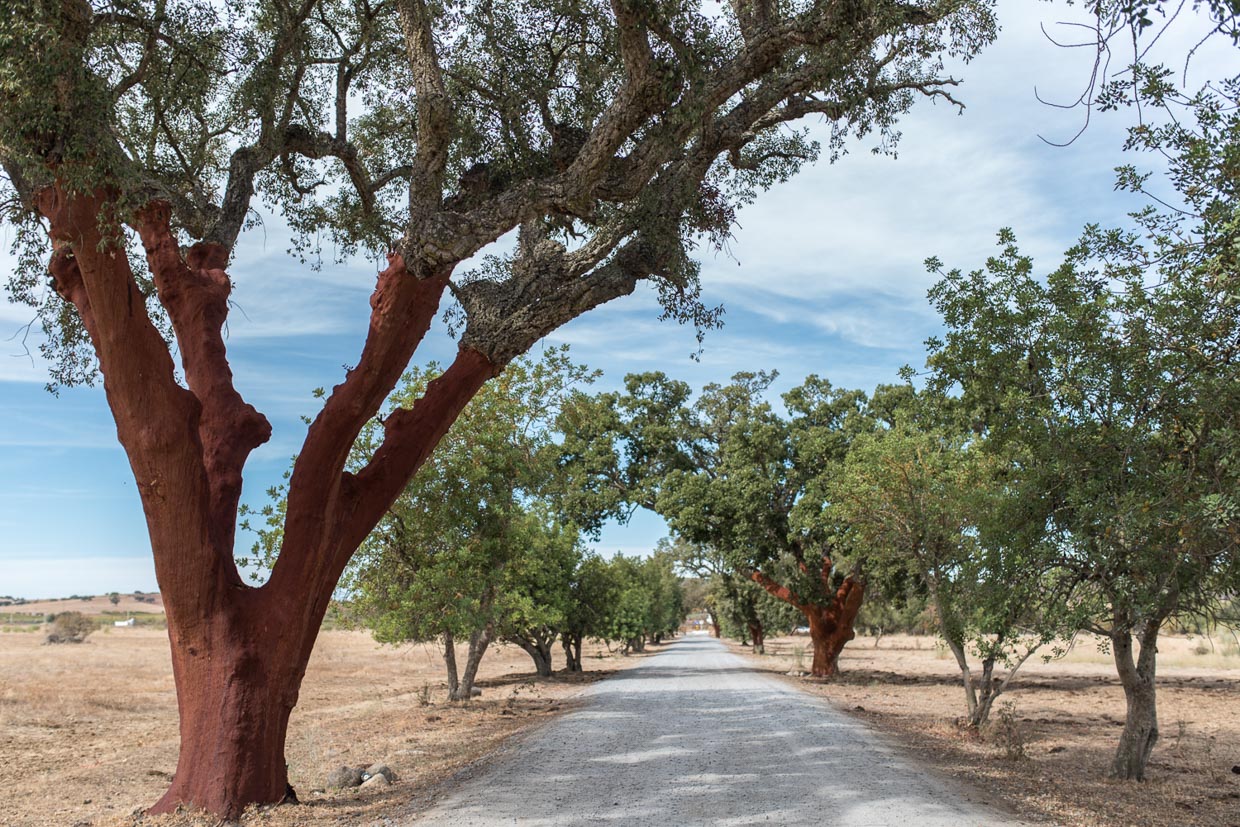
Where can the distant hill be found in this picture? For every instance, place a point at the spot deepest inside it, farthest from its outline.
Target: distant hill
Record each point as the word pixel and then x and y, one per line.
pixel 88 604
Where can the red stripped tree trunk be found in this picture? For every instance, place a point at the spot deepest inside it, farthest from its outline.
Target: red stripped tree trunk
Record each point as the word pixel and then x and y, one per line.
pixel 236 687
pixel 239 653
pixel 830 625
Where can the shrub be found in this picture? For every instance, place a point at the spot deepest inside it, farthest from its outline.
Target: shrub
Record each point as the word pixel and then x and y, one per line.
pixel 1007 733
pixel 70 627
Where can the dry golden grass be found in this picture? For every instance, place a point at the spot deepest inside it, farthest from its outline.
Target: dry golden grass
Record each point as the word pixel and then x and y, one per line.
pixel 88 733
pixel 1067 714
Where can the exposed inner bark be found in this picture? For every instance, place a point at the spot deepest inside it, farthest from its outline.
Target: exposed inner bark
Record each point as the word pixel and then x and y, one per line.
pixel 234 700
pixel 830 623
pixel 239 653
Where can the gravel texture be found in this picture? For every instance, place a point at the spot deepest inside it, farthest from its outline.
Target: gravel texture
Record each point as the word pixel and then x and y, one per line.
pixel 694 736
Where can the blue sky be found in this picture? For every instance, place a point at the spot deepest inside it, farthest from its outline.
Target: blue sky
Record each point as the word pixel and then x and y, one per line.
pixel 824 276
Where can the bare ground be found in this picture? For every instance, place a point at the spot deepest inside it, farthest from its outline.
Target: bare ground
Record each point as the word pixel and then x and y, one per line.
pixel 88 733
pixel 1065 716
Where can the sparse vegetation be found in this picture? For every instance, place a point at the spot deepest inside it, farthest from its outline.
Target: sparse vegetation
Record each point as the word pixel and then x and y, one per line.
pixel 70 627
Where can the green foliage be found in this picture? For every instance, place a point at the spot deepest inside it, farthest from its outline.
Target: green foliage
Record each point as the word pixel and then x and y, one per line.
pixel 354 119
pixel 726 471
pixel 1109 391
pixel 647 601
pixel 931 511
pixel 739 602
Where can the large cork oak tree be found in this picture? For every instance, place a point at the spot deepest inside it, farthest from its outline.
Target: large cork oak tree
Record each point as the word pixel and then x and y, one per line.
pixel 139 137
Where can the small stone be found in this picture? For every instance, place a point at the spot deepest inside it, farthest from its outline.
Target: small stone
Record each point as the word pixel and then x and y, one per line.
pixel 375 781
pixel 342 778
pixel 475 691
pixel 381 769
pixel 1236 769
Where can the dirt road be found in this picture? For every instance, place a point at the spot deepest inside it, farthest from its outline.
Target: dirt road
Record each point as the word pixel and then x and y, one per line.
pixel 694 736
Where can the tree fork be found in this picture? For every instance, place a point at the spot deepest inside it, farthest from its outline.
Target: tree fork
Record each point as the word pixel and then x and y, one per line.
pixel 830 625
pixel 1137 675
pixel 240 653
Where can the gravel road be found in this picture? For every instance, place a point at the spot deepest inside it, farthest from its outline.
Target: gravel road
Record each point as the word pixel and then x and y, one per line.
pixel 696 736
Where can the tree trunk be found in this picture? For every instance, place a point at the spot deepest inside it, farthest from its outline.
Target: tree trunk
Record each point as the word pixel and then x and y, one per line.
pixel 572 651
pixel 966 675
pixel 538 647
pixel 830 624
pixel 1137 675
pixel 236 686
pixel 478 642
pixel 989 691
pixel 449 660
pixel 715 628
pixel 757 636
pixel 831 627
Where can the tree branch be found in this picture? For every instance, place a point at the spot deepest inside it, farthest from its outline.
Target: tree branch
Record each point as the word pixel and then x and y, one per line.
pixel 194 290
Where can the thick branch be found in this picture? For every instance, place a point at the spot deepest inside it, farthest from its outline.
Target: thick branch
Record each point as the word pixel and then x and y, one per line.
pixel 194 290
pixel 434 108
pixel 410 434
pixel 779 592
pixel 157 421
pixel 403 305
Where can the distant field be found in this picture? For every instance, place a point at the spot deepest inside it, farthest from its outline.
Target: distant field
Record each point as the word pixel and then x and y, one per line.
pixel 1067 716
pixel 149 604
pixel 88 733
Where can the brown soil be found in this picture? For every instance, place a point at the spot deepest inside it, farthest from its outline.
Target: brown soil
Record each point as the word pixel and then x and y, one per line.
pixel 1064 716
pixel 88 733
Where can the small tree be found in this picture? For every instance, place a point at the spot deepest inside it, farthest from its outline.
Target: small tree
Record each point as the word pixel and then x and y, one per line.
pixel 592 591
pixel 924 505
pixel 114 598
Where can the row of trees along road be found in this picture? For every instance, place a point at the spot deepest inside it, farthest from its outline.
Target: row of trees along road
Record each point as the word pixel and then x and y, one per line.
pixel 1070 464
pixel 613 137
pixel 474 551
pixel 138 139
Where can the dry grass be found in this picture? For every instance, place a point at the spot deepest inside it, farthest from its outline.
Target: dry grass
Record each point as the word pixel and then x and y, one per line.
pixel 1067 715
pixel 88 734
pixel 95 605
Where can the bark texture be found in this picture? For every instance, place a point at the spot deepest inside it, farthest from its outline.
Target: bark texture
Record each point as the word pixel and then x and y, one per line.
pixel 830 622
pixel 571 642
pixel 1137 675
pixel 239 653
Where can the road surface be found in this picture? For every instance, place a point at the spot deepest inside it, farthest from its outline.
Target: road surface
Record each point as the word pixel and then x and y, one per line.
pixel 695 736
